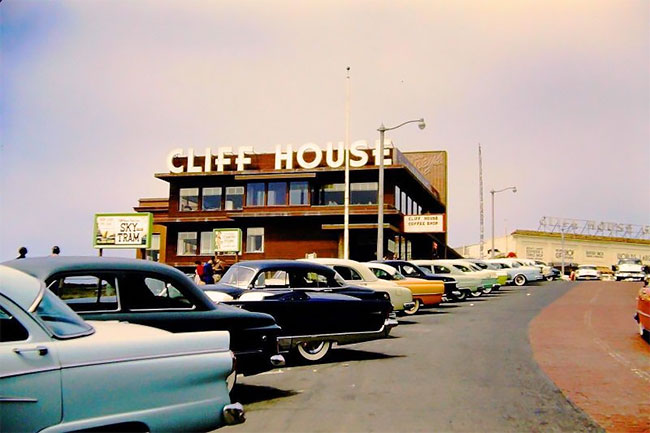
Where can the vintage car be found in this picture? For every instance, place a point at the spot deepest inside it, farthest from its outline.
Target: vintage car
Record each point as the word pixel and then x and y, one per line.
pixel 643 312
pixel 587 272
pixel 630 269
pixel 59 373
pixel 468 284
pixel 409 269
pixel 426 293
pixel 490 278
pixel 518 274
pixel 501 274
pixel 606 273
pixel 312 303
pixel 358 274
pixel 154 294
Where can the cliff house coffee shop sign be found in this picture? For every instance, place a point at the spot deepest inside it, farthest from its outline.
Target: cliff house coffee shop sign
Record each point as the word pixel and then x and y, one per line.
pixel 427 223
pixel 123 230
pixel 307 156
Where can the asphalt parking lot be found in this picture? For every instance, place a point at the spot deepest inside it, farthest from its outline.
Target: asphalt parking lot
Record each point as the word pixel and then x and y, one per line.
pixel 462 367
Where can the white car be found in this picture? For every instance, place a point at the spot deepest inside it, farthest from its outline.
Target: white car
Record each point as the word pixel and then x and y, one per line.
pixel 59 373
pixel 630 269
pixel 469 283
pixel 359 274
pixel 587 272
pixel 518 273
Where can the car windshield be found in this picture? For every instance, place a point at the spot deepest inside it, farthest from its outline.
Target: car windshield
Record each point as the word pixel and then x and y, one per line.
pixel 411 270
pixel 593 268
pixel 60 319
pixel 462 268
pixel 238 276
pixel 480 265
pixel 629 262
pixel 427 271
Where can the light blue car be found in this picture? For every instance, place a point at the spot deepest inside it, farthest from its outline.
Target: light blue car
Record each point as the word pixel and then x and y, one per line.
pixel 59 373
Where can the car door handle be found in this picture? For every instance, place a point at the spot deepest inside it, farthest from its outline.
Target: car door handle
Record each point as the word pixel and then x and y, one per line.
pixel 41 350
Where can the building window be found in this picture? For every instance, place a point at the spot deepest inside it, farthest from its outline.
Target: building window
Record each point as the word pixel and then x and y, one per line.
pixel 364 193
pixel 397 198
pixel 189 199
pixel 299 193
pixel 234 197
pixel 153 253
pixel 255 240
pixel 419 210
pixel 187 244
pixel 333 194
pixel 207 243
pixel 255 194
pixel 409 206
pixel 212 198
pixel 403 208
pixel 277 194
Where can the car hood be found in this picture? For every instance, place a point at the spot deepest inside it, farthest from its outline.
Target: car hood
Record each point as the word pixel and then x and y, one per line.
pixel 120 341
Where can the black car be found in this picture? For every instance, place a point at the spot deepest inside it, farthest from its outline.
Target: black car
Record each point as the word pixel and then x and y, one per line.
pixel 312 303
pixel 411 270
pixel 157 295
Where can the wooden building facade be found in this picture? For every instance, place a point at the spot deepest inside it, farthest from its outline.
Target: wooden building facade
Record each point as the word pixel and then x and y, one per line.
pixel 291 212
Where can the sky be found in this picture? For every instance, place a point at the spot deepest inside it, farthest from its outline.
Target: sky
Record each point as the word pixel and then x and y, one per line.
pixel 94 94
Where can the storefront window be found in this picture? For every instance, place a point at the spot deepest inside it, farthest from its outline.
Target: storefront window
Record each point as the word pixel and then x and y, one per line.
pixel 207 243
pixel 255 240
pixel 234 197
pixel 189 199
pixel 255 194
pixel 277 193
pixel 363 193
pixel 299 193
pixel 212 198
pixel 333 194
pixel 153 253
pixel 187 244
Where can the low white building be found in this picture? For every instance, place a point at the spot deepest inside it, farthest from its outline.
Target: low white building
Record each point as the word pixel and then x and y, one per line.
pixel 578 249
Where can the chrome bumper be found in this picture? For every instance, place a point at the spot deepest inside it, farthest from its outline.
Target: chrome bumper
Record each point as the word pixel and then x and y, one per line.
pixel 233 414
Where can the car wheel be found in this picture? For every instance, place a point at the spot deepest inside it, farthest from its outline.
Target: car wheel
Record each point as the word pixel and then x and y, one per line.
pixel 644 333
pixel 313 350
pixel 476 294
pixel 519 280
pixel 413 309
pixel 487 290
pixel 462 296
pixel 549 278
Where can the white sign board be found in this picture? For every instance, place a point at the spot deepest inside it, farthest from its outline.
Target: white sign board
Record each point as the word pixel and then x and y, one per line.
pixel 428 223
pixel 122 230
pixel 227 240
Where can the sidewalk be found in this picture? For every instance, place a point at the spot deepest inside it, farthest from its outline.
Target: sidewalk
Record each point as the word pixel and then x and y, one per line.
pixel 587 342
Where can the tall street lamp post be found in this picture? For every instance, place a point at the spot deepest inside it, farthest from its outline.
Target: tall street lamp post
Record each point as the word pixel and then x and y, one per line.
pixel 380 193
pixel 514 189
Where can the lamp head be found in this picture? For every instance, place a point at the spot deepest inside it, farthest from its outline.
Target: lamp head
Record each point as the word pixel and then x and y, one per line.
pixel 421 124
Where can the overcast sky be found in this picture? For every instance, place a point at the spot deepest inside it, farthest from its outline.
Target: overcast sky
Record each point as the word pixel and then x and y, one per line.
pixel 94 94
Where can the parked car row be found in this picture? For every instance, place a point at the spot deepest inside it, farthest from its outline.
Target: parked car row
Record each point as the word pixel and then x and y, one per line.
pixel 167 351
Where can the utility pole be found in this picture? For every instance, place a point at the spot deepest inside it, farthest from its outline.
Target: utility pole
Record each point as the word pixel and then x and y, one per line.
pixel 346 195
pixel 480 183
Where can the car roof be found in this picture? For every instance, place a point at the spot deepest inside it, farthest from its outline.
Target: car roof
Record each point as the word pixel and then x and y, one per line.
pixel 20 287
pixel 44 267
pixel 359 267
pixel 285 264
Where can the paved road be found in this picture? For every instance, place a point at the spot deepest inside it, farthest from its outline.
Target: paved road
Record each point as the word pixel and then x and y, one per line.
pixel 460 368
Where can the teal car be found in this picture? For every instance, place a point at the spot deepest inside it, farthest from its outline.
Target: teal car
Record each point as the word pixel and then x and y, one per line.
pixel 59 373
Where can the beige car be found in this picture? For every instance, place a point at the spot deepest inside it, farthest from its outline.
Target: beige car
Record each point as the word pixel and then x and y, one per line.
pixel 359 274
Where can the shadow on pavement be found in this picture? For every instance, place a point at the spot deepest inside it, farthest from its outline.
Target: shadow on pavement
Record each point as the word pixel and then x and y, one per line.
pixel 344 355
pixel 247 394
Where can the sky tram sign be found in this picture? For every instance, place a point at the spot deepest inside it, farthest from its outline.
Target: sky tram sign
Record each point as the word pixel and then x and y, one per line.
pixel 122 230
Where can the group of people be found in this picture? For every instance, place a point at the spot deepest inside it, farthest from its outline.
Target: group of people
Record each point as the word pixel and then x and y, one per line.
pixel 22 252
pixel 209 272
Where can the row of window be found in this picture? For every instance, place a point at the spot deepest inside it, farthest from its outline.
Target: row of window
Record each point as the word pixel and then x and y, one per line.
pixel 405 204
pixel 193 243
pixel 273 194
pixel 256 194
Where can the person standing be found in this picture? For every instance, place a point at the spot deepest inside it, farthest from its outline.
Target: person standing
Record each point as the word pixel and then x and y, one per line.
pixel 218 267
pixel 198 272
pixel 208 272
pixel 22 253
pixel 56 250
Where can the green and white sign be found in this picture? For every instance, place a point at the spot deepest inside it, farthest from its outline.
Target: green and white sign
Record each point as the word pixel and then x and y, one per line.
pixel 122 230
pixel 227 240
